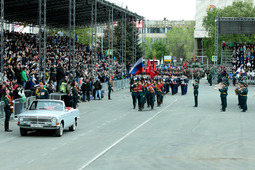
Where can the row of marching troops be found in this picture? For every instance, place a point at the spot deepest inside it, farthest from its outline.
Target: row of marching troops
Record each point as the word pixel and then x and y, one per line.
pixel 146 90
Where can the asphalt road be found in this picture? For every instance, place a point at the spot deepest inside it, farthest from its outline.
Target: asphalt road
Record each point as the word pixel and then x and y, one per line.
pixel 111 135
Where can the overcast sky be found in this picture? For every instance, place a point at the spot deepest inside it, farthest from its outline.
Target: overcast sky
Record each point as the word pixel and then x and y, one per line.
pixel 158 9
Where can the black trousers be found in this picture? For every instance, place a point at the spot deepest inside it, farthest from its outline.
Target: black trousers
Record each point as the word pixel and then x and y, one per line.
pixel 140 102
pixel 195 97
pixel 7 118
pixel 134 101
pixel 224 103
pixel 109 93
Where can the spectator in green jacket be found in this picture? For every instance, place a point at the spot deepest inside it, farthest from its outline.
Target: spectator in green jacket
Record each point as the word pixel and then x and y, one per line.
pixel 24 78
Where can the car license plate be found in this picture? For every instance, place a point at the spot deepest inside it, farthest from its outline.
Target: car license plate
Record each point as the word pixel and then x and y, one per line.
pixel 37 125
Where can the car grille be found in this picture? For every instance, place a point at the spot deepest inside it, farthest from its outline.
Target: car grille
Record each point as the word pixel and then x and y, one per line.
pixel 38 120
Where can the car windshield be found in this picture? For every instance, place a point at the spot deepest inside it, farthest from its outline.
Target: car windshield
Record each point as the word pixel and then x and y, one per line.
pixel 47 105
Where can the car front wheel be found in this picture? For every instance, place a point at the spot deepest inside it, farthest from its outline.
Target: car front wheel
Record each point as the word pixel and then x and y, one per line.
pixel 59 132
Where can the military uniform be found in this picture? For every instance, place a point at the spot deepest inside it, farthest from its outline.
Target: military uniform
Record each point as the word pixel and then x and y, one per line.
pixel 196 87
pixel 223 96
pixel 7 109
pixel 42 93
pixel 243 97
pixel 134 93
pixel 159 92
pixel 140 92
pixel 151 95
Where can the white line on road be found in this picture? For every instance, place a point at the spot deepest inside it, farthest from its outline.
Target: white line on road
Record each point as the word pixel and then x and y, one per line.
pixel 44 154
pixel 125 136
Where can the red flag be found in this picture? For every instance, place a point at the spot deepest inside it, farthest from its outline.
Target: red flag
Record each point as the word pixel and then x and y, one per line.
pixel 185 64
pixel 153 71
pixel 193 60
pixel 148 68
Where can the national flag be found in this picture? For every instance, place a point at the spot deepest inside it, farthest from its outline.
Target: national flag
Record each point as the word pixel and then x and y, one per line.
pixel 138 67
pixel 240 70
pixel 148 67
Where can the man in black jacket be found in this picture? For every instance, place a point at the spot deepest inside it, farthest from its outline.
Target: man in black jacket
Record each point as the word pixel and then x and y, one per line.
pixel 86 89
pixel 98 88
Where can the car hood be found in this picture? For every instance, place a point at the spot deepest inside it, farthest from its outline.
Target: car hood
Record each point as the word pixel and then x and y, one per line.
pixel 41 113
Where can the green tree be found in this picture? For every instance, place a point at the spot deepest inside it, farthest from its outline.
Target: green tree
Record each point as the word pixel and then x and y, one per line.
pixel 180 41
pixel 158 49
pixel 237 9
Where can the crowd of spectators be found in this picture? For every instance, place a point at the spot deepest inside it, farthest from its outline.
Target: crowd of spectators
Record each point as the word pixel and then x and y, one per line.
pixel 21 63
pixel 243 55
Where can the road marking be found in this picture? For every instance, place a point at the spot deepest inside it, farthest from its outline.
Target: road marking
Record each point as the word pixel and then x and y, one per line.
pixel 124 137
pixel 44 154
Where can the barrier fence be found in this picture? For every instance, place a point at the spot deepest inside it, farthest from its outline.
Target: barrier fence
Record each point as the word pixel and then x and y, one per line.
pixel 20 105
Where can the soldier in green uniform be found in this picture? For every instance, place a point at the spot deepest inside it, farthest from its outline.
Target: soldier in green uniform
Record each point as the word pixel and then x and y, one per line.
pixel 243 91
pixel 133 88
pixel 7 109
pixel 151 94
pixel 196 87
pixel 75 94
pixel 41 92
pixel 223 96
pixel 110 88
pixel 140 93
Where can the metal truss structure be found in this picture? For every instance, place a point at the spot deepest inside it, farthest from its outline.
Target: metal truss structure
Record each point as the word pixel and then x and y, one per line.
pixel 66 14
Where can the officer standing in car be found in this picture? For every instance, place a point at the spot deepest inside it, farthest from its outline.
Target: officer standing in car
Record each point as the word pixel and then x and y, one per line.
pixel 41 92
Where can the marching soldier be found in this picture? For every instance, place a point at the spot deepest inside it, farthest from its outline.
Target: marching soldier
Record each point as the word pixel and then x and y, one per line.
pixel 41 92
pixel 223 96
pixel 196 87
pixel 159 93
pixel 151 94
pixel 140 91
pixel 243 96
pixel 134 92
pixel 7 109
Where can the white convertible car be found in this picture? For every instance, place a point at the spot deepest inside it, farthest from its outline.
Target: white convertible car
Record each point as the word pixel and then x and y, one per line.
pixel 48 115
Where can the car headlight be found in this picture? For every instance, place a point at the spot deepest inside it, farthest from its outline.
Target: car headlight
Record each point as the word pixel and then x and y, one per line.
pixel 54 120
pixel 21 119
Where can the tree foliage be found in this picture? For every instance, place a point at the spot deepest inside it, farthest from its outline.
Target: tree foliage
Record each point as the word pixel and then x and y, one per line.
pixel 180 41
pixel 237 9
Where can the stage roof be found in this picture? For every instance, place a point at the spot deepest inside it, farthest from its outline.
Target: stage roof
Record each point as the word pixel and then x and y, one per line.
pixel 232 25
pixel 58 12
